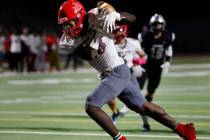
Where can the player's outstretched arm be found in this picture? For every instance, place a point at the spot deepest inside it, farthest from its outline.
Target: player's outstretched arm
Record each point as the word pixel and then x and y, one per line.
pixel 126 18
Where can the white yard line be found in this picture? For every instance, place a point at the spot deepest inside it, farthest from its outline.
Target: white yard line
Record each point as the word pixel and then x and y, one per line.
pixel 182 74
pixel 81 70
pixel 81 99
pixel 56 81
pixel 83 114
pixel 52 81
pixel 93 134
pixel 91 70
pixel 190 66
pixel 42 101
pixel 183 102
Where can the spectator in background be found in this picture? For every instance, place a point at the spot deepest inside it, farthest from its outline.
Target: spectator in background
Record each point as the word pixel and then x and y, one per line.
pixel 7 46
pixel 32 52
pixel 25 46
pixel 2 51
pixel 74 58
pixel 15 50
pixel 41 49
pixel 52 52
pixel 144 29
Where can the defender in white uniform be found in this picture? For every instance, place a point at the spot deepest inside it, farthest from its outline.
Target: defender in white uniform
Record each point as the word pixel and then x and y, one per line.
pixel 128 49
pixel 85 36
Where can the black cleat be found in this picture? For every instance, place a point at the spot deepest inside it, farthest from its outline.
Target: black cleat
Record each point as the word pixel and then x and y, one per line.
pixel 115 116
pixel 146 128
pixel 149 98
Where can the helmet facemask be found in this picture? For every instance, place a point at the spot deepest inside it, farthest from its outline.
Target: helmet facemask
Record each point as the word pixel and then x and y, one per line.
pixel 157 28
pixel 72 27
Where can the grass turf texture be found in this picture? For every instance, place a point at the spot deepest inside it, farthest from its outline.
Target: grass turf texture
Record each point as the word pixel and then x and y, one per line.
pixel 51 106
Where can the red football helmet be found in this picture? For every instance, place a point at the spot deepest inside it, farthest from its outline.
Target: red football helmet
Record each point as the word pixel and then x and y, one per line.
pixel 120 32
pixel 71 15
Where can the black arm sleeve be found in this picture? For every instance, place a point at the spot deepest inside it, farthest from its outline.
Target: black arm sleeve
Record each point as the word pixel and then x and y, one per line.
pixel 168 58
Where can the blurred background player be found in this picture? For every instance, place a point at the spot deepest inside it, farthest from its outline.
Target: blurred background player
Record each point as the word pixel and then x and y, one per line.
pixel 25 48
pixel 127 48
pixel 157 44
pixel 73 58
pixel 15 51
pixel 51 42
pixel 2 50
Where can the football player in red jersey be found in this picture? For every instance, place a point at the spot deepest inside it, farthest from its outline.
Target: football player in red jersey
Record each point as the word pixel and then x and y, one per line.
pixel 87 36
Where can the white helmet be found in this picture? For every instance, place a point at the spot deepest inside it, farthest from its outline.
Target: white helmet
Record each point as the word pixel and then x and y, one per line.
pixel 157 19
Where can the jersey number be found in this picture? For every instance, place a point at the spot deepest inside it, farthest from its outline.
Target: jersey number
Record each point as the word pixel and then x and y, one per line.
pixel 157 51
pixel 102 47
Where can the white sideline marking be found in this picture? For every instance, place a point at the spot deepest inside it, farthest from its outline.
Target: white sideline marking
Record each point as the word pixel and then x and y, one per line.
pixel 183 88
pixel 50 81
pixel 93 134
pixel 81 99
pixel 182 102
pixel 190 66
pixel 91 70
pixel 38 101
pixel 83 114
pixel 187 74
pixel 81 70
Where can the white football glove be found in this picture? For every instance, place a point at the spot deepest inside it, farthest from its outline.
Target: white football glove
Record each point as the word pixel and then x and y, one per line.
pixel 138 70
pixel 165 67
pixel 109 21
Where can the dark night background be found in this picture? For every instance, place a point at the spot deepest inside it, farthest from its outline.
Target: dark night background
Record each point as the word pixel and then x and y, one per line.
pixel 190 21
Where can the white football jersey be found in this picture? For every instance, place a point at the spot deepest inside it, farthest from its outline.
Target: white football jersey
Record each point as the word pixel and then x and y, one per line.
pixel 128 50
pixel 15 44
pixel 108 58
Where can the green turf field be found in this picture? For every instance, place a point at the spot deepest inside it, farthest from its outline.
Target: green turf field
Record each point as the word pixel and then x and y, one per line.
pixel 51 106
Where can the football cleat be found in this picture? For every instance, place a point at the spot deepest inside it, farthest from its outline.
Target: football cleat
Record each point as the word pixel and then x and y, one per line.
pixel 186 131
pixel 120 137
pixel 146 128
pixel 115 116
pixel 123 138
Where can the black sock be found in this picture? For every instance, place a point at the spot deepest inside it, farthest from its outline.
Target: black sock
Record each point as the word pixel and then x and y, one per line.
pixel 117 137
